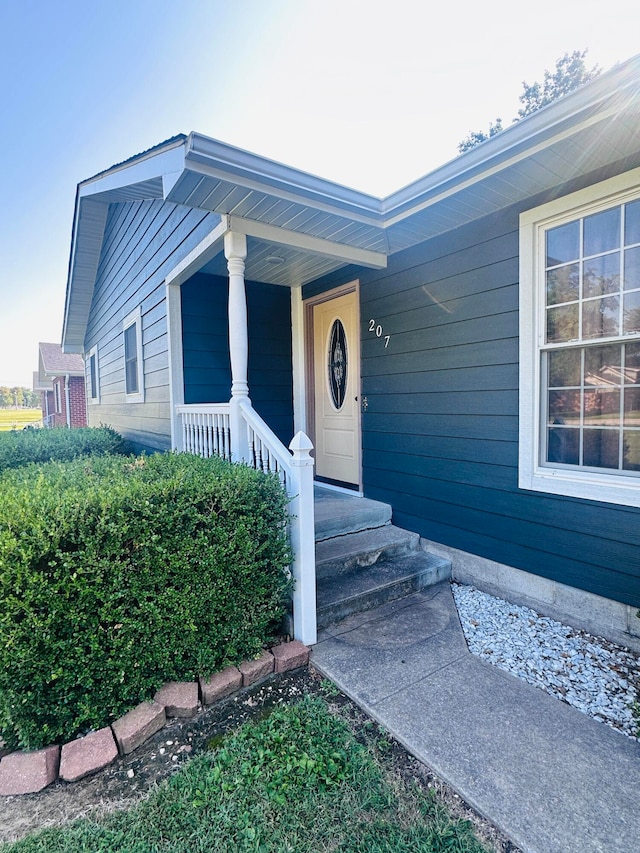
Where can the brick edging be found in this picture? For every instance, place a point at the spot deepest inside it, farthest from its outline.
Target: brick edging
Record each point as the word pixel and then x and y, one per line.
pixel 30 772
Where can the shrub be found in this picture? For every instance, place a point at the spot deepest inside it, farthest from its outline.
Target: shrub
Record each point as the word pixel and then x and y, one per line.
pixel 45 445
pixel 118 574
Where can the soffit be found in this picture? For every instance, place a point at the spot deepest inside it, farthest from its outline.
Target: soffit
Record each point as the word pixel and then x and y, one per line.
pixel 293 268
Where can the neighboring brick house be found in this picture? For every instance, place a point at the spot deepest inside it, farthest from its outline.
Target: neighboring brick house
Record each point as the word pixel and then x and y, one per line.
pixel 60 380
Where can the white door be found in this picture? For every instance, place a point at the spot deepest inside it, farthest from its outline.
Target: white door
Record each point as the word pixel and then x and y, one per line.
pixel 336 371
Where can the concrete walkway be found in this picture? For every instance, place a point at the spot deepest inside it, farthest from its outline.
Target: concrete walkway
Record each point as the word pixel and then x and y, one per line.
pixel 551 778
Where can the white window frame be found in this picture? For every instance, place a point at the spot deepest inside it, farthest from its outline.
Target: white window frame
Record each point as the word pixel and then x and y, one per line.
pixel 135 318
pixel 91 397
pixel 607 486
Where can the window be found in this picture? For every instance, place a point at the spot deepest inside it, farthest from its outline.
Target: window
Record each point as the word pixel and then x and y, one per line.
pixel 580 344
pixel 133 372
pixel 93 375
pixel 57 397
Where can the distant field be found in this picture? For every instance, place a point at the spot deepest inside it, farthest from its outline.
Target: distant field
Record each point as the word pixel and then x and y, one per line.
pixel 18 418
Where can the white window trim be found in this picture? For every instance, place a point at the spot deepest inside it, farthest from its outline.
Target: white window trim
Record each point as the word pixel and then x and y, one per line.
pixel 93 353
pixel 590 485
pixel 135 318
pixel 57 397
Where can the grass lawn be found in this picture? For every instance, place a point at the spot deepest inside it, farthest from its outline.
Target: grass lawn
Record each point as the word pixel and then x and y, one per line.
pixel 297 780
pixel 18 418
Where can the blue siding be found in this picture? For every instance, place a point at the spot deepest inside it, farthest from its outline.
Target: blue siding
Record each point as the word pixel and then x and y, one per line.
pixel 143 241
pixel 440 435
pixel 205 335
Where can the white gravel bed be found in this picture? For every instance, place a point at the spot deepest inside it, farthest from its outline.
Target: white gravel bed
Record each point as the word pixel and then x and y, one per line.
pixel 594 675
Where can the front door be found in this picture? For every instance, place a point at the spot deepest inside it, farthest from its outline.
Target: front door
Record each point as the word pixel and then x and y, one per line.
pixel 336 380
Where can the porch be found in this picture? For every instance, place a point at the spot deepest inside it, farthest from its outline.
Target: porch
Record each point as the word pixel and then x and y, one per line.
pixel 227 333
pixel 348 556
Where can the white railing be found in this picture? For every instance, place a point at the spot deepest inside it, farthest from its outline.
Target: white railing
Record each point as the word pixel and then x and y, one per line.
pixel 207 430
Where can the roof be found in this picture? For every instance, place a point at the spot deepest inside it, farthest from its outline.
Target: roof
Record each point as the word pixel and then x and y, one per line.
pixel 53 361
pixel 319 226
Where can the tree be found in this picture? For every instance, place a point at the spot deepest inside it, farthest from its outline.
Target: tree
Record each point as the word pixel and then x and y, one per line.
pixel 475 137
pixel 570 73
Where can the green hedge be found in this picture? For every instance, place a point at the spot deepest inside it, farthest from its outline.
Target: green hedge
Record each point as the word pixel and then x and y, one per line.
pixel 118 574
pixel 22 447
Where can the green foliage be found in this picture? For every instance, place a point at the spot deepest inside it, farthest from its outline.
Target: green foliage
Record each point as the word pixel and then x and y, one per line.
pixel 570 73
pixel 297 781
pixel 22 447
pixel 120 573
pixel 475 137
pixel 17 396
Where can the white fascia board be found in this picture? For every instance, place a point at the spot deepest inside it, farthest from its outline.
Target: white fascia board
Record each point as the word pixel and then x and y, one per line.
pixel 207 156
pixel 305 242
pixel 604 97
pixel 166 164
pixel 89 222
pixel 207 248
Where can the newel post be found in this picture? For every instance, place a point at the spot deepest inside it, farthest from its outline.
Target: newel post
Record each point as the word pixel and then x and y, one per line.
pixel 235 250
pixel 303 541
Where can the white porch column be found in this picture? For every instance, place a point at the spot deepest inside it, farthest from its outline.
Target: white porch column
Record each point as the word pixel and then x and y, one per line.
pixel 235 250
pixel 302 525
pixel 176 362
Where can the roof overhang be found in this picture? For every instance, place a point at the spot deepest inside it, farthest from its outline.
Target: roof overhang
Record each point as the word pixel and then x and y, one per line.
pixel 315 226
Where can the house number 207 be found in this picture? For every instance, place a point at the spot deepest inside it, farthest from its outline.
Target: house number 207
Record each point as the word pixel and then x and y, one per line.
pixel 378 331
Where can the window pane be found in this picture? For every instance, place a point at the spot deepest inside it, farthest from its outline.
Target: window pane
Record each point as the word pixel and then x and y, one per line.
pixel 632 269
pixel 562 323
pixel 131 377
pixel 564 368
pixel 632 407
pixel 563 284
pixel 631 312
pixel 602 408
pixel 563 243
pixel 131 360
pixel 130 342
pixel 600 448
pixel 564 407
pixel 602 231
pixel 632 364
pixel 602 365
pixel 92 372
pixel 631 450
pixel 632 223
pixel 601 275
pixel 600 317
pixel 563 446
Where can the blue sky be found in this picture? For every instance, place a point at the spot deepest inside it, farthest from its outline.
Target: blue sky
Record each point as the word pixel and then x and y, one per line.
pixel 367 93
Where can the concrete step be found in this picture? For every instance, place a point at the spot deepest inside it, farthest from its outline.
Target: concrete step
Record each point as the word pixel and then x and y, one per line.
pixel 364 548
pixel 337 513
pixel 362 588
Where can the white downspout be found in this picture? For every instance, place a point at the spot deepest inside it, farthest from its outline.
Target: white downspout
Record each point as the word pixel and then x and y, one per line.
pixel 67 400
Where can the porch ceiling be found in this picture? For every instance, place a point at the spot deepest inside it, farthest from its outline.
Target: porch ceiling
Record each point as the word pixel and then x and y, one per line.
pixel 275 263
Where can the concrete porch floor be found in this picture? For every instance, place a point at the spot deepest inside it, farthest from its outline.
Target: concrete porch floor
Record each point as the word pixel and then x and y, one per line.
pixel 551 778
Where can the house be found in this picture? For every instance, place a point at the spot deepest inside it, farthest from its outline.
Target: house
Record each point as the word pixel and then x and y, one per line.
pixel 60 381
pixel 466 349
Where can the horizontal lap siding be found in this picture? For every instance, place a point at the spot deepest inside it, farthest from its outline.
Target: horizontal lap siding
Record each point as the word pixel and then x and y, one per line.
pixel 205 335
pixel 440 433
pixel 143 241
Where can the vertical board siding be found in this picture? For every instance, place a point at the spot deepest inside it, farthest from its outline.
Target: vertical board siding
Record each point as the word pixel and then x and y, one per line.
pixel 440 433
pixel 143 241
pixel 205 335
